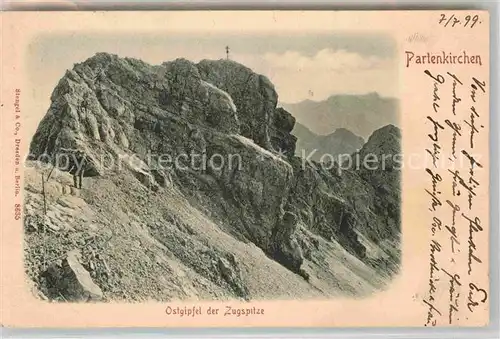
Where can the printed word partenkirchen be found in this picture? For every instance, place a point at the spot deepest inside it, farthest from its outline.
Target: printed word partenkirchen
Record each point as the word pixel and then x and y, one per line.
pixel 442 58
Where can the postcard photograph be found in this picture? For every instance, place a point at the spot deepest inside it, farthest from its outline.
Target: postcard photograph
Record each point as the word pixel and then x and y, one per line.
pixel 197 169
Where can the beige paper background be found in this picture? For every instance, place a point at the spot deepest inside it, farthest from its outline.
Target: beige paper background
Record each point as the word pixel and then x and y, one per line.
pixel 400 305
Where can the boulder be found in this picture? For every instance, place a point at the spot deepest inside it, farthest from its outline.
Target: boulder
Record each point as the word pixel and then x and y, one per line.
pixel 232 275
pixel 71 280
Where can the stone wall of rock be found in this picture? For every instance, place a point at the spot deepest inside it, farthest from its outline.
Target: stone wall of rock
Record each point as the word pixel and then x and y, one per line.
pixel 255 98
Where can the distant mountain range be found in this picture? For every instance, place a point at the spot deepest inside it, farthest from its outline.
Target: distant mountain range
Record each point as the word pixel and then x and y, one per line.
pixel 313 146
pixel 360 114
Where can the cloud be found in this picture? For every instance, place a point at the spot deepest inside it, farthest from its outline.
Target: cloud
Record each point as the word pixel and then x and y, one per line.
pixel 298 76
pixel 324 60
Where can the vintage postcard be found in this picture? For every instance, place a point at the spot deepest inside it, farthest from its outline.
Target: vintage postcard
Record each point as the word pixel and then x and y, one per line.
pixel 245 169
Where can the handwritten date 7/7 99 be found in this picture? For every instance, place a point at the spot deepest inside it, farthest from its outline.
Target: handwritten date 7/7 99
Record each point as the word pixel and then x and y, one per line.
pixel 452 20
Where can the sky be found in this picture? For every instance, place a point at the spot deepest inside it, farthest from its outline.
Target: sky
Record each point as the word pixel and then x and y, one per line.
pixel 307 66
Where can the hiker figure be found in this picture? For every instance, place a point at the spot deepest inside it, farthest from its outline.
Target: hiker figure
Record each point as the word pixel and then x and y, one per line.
pixel 78 168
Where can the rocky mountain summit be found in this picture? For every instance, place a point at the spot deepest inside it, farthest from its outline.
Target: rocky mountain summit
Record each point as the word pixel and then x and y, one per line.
pixel 191 190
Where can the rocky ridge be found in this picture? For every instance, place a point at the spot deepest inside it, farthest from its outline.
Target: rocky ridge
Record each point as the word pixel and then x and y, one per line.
pixel 325 147
pixel 200 229
pixel 361 114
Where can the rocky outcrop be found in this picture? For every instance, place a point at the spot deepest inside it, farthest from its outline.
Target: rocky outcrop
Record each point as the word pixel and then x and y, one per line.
pixel 246 189
pixel 211 133
pixel 256 99
pixel 323 208
pixel 384 176
pixel 124 109
pixel 361 195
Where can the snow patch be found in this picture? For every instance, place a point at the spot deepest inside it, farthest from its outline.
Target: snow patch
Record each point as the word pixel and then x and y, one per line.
pixel 263 151
pixel 222 93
